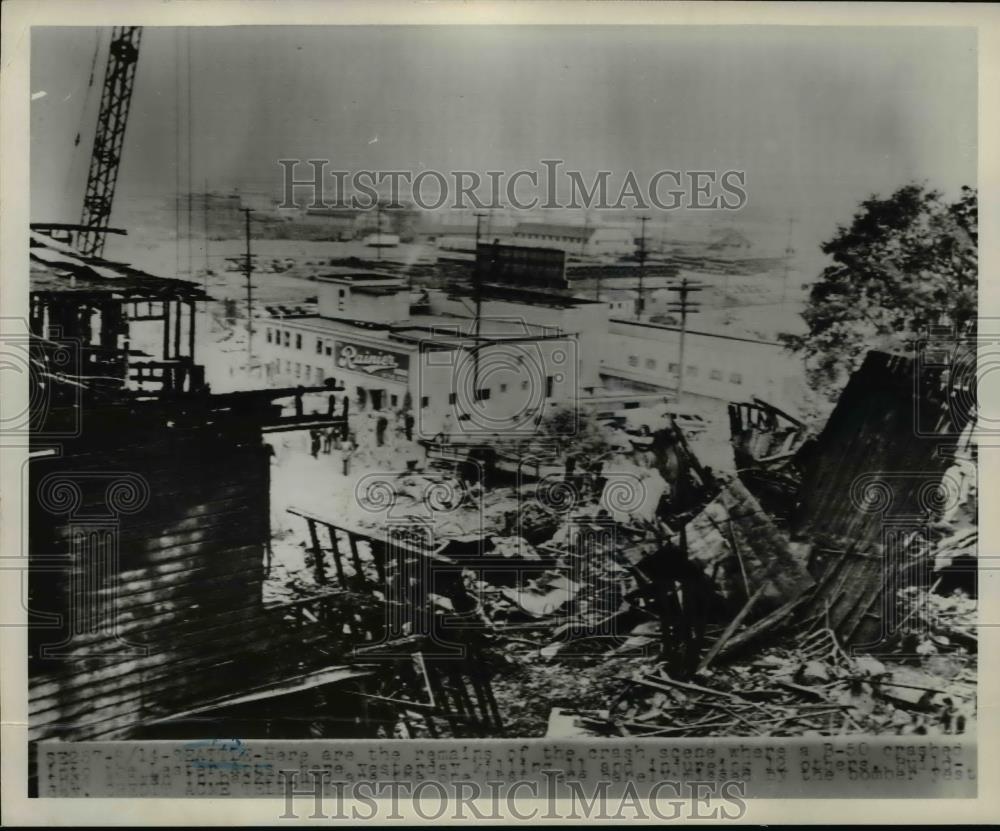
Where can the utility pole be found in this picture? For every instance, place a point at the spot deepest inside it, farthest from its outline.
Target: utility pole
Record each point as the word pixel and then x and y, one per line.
pixel 378 230
pixel 640 303
pixel 683 306
pixel 248 270
pixel 477 279
pixel 788 253
pixel 205 222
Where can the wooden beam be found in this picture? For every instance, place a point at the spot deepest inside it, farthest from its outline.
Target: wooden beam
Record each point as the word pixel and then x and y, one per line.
pixel 730 629
pixel 318 564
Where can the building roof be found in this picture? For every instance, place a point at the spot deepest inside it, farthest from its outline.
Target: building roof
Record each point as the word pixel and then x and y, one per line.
pixel 664 327
pixel 533 297
pixel 58 268
pixel 579 233
pixel 445 331
pixel 370 278
pixel 335 211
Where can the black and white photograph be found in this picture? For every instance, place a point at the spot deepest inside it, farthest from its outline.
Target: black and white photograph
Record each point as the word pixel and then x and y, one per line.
pixel 402 386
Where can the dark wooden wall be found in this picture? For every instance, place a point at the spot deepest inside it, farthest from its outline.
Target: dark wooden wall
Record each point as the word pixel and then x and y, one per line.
pixel 187 510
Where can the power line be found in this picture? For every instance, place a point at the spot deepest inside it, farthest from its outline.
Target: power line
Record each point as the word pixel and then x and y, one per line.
pixel 177 152
pixel 190 158
pixel 84 108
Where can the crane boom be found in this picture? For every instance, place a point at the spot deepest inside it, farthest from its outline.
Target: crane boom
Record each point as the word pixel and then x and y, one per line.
pixel 116 96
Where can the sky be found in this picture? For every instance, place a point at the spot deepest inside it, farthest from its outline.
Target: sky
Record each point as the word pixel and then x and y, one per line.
pixel 818 118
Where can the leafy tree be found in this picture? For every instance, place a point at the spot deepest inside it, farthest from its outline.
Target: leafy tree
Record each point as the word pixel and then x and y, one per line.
pixel 906 264
pixel 571 429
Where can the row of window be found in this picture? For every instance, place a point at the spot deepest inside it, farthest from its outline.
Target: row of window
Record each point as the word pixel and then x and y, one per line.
pixel 549 237
pixel 301 370
pixel 283 337
pixel 690 372
pixel 315 374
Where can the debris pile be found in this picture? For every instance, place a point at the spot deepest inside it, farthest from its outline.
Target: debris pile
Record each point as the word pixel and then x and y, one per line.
pixel 808 685
pixel 622 587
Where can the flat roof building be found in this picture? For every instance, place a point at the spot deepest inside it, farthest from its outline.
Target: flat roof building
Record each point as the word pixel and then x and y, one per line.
pixel 596 240
pixel 428 352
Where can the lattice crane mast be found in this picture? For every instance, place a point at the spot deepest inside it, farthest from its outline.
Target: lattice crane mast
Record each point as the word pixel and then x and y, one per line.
pixel 105 158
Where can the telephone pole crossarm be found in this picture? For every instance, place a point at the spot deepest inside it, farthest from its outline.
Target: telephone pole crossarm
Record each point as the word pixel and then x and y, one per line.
pixel 684 306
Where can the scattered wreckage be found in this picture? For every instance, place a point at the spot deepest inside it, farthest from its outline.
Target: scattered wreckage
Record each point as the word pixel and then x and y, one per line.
pixel 824 584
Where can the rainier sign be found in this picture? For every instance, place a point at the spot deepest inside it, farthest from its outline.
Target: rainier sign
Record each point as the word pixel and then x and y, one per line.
pixel 371 361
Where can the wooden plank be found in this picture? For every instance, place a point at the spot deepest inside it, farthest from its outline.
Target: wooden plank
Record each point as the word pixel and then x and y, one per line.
pixel 775 619
pixel 734 624
pixel 317 550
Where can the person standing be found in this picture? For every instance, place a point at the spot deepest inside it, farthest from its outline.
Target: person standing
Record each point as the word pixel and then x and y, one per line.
pixel 314 442
pixel 346 450
pixel 344 413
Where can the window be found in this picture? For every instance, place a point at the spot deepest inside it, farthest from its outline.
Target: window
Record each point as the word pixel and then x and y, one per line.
pixel 425 401
pixel 269 335
pixel 452 397
pixel 298 341
pixel 288 366
pixel 340 293
pixel 298 369
pixel 650 363
pixel 633 360
pixel 483 394
pixel 319 375
pixel 393 400
pixel 692 371
pixel 715 375
pixel 309 372
pixel 672 367
pixel 319 346
pixel 288 338
pixel 549 383
pixel 329 347
pixel 735 378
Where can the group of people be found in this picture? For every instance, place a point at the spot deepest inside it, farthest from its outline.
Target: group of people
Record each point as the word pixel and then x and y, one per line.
pixel 367 431
pixel 332 438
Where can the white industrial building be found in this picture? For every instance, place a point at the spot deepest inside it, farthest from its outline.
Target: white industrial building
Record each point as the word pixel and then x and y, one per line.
pixel 593 241
pixel 528 351
pixel 532 350
pixel 716 366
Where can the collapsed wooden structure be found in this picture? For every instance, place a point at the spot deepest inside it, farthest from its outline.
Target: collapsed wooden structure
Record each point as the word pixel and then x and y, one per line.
pixel 148 520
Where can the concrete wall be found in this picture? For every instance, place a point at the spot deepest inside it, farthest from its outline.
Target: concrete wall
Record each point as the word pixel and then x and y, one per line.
pixel 586 324
pixel 716 366
pixel 517 380
pixel 338 299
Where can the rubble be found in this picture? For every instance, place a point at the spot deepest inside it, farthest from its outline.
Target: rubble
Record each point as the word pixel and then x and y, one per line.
pixel 804 685
pixel 629 589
